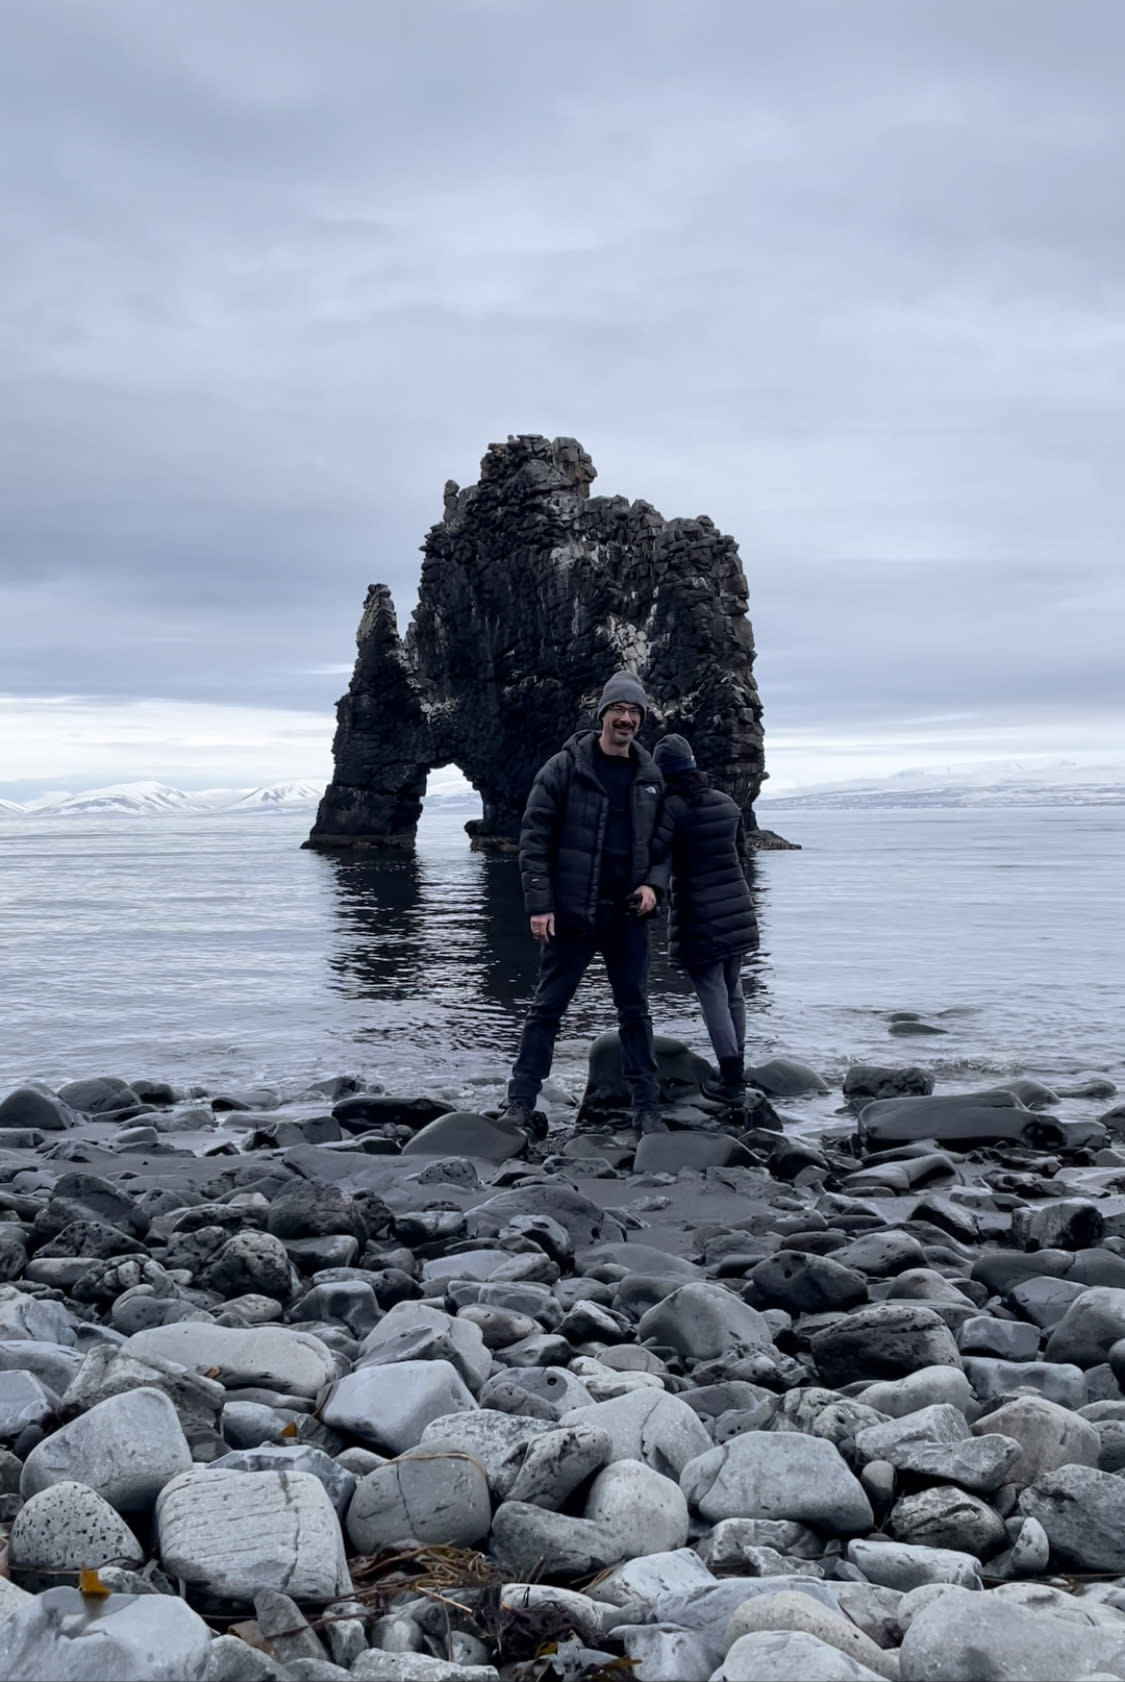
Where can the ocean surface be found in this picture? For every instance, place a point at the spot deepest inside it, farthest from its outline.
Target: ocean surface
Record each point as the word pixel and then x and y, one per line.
pixel 212 950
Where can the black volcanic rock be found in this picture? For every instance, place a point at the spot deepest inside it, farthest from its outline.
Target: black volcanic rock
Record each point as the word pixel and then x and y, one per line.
pixel 532 593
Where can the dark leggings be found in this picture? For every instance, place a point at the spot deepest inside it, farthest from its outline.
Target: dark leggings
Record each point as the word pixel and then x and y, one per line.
pixel 719 989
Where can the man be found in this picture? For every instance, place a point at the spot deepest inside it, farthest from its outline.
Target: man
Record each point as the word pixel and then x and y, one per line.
pixel 590 884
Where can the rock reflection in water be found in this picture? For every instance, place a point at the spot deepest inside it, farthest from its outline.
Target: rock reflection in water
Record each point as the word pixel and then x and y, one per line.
pixel 437 943
pixel 444 935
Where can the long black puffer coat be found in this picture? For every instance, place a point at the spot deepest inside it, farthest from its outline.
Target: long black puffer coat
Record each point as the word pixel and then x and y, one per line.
pixel 712 911
pixel 563 831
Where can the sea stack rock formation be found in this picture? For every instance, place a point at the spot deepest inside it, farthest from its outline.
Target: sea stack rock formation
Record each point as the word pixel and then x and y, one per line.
pixel 532 593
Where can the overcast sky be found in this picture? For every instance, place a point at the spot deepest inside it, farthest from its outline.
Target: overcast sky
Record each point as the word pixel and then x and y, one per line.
pixel 846 275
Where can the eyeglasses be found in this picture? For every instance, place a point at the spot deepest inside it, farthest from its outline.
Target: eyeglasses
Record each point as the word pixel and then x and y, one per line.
pixel 624 712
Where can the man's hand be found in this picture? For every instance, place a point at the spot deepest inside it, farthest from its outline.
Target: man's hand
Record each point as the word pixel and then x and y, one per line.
pixel 646 901
pixel 543 928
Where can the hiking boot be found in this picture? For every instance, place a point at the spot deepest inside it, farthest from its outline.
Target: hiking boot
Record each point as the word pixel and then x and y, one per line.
pixel 732 1080
pixel 518 1113
pixel 648 1119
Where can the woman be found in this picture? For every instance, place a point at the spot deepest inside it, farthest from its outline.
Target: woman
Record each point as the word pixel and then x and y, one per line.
pixel 712 919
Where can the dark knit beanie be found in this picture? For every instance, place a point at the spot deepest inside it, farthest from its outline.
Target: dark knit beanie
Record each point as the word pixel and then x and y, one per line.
pixel 626 690
pixel 673 754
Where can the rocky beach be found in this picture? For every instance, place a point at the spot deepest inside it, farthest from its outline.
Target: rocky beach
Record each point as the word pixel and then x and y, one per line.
pixel 358 1384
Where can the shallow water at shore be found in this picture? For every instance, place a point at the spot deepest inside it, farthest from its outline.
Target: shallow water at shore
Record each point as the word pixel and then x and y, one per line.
pixel 214 950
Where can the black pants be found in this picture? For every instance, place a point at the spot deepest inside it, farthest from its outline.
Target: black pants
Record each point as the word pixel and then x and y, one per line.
pixel 623 944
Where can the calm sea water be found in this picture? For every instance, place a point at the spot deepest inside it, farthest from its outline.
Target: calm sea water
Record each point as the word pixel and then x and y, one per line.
pixel 213 950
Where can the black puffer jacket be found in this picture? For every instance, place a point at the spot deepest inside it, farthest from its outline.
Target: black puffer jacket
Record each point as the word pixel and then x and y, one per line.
pixel 712 911
pixel 563 832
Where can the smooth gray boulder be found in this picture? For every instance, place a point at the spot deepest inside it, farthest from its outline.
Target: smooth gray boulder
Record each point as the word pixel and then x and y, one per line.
pixel 779 1475
pixel 881 1255
pixel 338 1481
pixel 1008 1340
pixel 638 1258
pixel 1056 1381
pixel 413 1330
pixel 955 1118
pixel 28 1107
pixel 784 1077
pixel 63 1635
pixel 905 1566
pixel 706 1610
pixel 802 1282
pixel 66 1528
pixel 667 1153
pixel 639 1583
pixel 1030 1552
pixel 53 1364
pixel 648 1425
pixel 887 1340
pixel 1092 1324
pixel 702 1320
pixel 426 1496
pixel 35 1318
pixel 232 1533
pixel 126 1448
pixel 1082 1511
pixel 647 1512
pixel 277 1357
pixel 664 1654
pixel 390 1406
pixel 681 1073
pixel 789 1611
pixel 961 1634
pixel 1049 1436
pixel 927 1387
pixel 24 1400
pixel 773 1655
pixel 1043 1302
pixel 467 1133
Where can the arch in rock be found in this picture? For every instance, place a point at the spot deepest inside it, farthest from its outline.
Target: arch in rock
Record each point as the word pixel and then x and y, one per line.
pixel 533 593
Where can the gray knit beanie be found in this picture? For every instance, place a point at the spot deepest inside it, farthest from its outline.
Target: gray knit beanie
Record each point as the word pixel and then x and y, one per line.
pixel 624 689
pixel 673 754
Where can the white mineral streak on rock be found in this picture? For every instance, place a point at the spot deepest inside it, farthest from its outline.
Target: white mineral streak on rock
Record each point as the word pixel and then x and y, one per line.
pixel 232 1533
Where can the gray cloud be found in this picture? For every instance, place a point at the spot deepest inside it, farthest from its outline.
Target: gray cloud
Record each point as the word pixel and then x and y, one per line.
pixel 847 278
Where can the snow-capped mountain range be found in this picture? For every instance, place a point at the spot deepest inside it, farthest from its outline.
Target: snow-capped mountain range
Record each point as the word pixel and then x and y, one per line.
pixel 1062 783
pixel 1009 783
pixel 153 799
